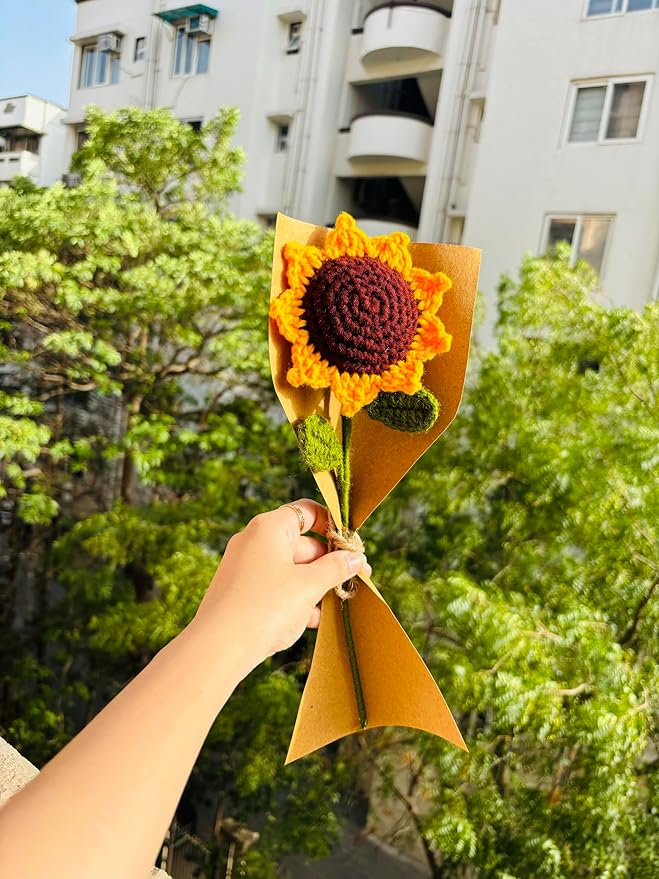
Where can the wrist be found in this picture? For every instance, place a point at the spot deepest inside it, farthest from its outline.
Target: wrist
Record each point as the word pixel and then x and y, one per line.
pixel 218 648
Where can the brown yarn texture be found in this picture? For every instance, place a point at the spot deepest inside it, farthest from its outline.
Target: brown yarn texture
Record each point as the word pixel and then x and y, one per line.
pixel 360 314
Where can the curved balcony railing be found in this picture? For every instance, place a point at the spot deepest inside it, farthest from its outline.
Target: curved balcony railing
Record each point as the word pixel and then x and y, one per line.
pixel 403 31
pixel 389 135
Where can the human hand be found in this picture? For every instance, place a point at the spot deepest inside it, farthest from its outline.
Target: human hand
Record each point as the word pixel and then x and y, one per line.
pixel 271 579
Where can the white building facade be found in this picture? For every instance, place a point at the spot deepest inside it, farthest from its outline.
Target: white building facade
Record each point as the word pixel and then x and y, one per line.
pixel 503 124
pixel 32 140
pixel 569 144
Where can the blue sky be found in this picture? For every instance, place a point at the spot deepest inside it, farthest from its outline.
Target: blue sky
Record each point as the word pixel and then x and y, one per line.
pixel 35 52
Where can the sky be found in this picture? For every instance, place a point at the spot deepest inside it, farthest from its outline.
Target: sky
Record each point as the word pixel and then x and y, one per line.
pixel 35 52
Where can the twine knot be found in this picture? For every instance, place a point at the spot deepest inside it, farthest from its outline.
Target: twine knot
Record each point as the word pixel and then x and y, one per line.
pixel 344 539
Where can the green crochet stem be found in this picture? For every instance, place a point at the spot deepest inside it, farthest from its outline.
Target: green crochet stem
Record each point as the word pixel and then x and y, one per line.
pixel 346 436
pixel 354 668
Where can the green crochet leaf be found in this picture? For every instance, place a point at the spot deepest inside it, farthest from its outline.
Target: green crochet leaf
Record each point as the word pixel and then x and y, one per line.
pixel 413 413
pixel 319 446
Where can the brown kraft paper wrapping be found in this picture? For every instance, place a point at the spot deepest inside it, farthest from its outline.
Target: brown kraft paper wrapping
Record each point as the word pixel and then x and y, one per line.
pixel 398 688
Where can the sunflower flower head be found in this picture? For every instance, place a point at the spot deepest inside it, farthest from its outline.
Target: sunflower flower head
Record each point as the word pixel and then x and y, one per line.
pixel 360 317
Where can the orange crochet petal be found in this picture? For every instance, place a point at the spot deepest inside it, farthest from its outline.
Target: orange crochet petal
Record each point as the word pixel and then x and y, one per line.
pixel 308 367
pixel 429 288
pixel 404 376
pixel 354 391
pixel 302 260
pixel 431 338
pixel 394 251
pixel 346 239
pixel 287 311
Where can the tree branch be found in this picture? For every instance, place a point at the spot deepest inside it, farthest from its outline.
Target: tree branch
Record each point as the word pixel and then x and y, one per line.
pixel 640 607
pixel 437 870
pixel 574 691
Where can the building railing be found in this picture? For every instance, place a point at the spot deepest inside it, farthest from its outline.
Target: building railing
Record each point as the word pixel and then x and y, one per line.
pixel 393 3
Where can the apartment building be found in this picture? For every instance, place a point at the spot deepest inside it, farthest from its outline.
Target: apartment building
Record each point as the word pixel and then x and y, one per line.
pixel 32 139
pixel 503 124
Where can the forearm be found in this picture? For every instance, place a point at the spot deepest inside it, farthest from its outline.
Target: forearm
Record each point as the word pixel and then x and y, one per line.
pixel 100 809
pixel 102 806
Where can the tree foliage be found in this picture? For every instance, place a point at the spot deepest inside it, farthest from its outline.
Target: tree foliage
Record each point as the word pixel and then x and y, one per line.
pixel 523 557
pixel 137 434
pixel 162 160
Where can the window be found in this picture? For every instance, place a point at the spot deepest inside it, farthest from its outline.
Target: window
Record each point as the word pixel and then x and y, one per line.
pixel 203 55
pixel 18 140
pixel 607 111
pixel 191 51
pixel 81 138
pixel 282 138
pixel 101 62
pixel 613 7
pixel 604 7
pixel 294 37
pixel 140 49
pixel 587 235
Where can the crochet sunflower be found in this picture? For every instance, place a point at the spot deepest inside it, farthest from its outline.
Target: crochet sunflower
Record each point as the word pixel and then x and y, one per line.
pixel 362 321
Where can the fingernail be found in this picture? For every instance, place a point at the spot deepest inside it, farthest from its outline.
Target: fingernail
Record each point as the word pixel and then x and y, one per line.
pixel 356 562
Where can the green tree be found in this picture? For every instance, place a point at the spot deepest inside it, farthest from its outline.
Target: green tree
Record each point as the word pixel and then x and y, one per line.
pixel 136 435
pixel 522 556
pixel 162 160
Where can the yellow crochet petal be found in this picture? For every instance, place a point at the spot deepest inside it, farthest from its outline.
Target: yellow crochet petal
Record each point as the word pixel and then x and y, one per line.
pixel 394 251
pixel 431 338
pixel 403 376
pixel 302 260
pixel 353 391
pixel 308 367
pixel 346 239
pixel 288 312
pixel 429 288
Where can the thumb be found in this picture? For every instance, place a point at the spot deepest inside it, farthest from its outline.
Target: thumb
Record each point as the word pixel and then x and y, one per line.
pixel 331 569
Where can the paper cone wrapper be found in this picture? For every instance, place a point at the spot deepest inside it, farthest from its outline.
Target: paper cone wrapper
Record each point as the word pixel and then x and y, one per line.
pixel 398 688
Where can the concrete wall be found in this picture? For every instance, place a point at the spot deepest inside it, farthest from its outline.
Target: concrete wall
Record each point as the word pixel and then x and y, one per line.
pixel 526 169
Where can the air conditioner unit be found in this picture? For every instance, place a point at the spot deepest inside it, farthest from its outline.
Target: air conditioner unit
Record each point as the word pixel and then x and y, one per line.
pixel 71 180
pixel 109 43
pixel 199 24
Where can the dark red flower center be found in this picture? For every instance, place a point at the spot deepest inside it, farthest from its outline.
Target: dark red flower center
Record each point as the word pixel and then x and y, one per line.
pixel 360 314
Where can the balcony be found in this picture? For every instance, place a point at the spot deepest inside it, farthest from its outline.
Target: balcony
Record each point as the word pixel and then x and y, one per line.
pixel 21 163
pixel 25 112
pixel 399 32
pixel 389 135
